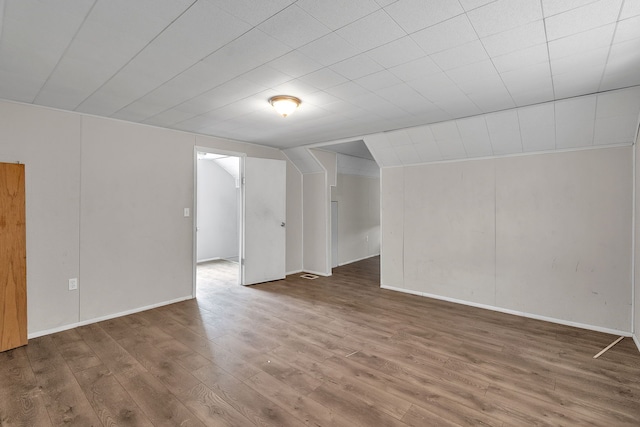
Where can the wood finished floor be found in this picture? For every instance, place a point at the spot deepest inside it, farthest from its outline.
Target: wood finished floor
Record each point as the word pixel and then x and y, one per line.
pixel 335 351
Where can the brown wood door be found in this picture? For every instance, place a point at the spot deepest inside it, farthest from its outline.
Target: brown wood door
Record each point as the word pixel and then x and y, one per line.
pixel 13 258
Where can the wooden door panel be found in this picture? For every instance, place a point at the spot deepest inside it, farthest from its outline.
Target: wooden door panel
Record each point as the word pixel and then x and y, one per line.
pixel 13 257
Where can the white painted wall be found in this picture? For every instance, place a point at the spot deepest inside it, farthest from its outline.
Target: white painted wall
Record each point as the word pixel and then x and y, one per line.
pixel 358 200
pixel 48 143
pixel 105 204
pixel 544 235
pixel 294 219
pixel 329 161
pixel 217 217
pixel 135 244
pixel 392 188
pixel 315 210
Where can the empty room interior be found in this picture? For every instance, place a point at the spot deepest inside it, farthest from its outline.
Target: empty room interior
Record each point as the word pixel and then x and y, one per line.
pixel 319 213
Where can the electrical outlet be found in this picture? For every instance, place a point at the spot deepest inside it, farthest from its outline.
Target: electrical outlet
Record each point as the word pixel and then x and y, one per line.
pixel 73 284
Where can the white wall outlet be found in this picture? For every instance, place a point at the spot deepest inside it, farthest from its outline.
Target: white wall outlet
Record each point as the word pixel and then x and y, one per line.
pixel 186 212
pixel 73 284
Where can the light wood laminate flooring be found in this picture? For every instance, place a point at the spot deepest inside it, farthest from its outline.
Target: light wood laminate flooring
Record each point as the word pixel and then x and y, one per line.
pixel 335 351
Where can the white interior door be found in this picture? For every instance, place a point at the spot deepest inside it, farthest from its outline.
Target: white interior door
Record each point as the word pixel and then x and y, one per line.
pixel 264 223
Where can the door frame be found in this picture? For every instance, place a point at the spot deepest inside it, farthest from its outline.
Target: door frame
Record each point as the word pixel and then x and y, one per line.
pixel 241 156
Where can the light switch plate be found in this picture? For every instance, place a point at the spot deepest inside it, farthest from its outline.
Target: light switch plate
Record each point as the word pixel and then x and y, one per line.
pixel 186 212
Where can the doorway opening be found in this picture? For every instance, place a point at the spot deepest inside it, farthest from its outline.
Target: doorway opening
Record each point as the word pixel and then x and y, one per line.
pixel 218 220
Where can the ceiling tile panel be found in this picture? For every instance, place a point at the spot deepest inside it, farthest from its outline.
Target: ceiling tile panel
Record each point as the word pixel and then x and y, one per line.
pixel 493 98
pixel 329 49
pixel 294 27
pixel 515 40
pixel 371 31
pixel 582 42
pixel 347 91
pixel 583 18
pixel 438 87
pixel 629 9
pixel 465 75
pixel 421 135
pixel 428 152
pixel 445 131
pixel 387 157
pixel 474 4
pixel 581 110
pixel 267 76
pixel 628 29
pixel 575 122
pixel 168 118
pixel 566 86
pixel 504 131
pixel 537 127
pixel 295 64
pixel 113 33
pixel 396 52
pixel 521 59
pixel 447 34
pixel 532 96
pixel 475 136
pixel 246 52
pixel 405 97
pixel 34 36
pixel 424 144
pixel 251 11
pixel 554 7
pixel 414 15
pixel 622 66
pixel 407 154
pixel 582 62
pixel 615 130
pixel 199 31
pixel 356 67
pixel 419 68
pixel 618 103
pixel 459 56
pixel 323 78
pixel 451 149
pixel 379 80
pixel 459 106
pixel 338 13
pixel 538 75
pixel 503 15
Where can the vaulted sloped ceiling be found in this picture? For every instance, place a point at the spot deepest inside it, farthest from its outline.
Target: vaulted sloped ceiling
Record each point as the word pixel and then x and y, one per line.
pixel 609 118
pixel 361 67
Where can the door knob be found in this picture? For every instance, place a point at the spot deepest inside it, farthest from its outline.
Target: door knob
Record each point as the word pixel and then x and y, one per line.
pixel 282 224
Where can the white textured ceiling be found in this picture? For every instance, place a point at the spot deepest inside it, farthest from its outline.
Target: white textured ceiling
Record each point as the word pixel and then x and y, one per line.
pixel 605 119
pixel 359 66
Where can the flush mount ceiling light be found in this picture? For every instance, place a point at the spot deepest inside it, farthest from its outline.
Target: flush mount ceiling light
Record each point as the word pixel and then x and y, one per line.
pixel 285 104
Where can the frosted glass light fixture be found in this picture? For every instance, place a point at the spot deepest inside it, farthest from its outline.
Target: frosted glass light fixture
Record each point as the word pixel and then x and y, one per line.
pixel 285 104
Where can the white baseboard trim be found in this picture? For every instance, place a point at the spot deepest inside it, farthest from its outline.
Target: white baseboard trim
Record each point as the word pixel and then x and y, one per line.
pixel 356 260
pixel 404 291
pixel 288 273
pixel 514 312
pixel 637 341
pixel 107 317
pixel 200 261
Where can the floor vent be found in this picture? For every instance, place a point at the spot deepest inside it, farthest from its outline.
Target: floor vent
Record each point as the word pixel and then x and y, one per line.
pixel 309 276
